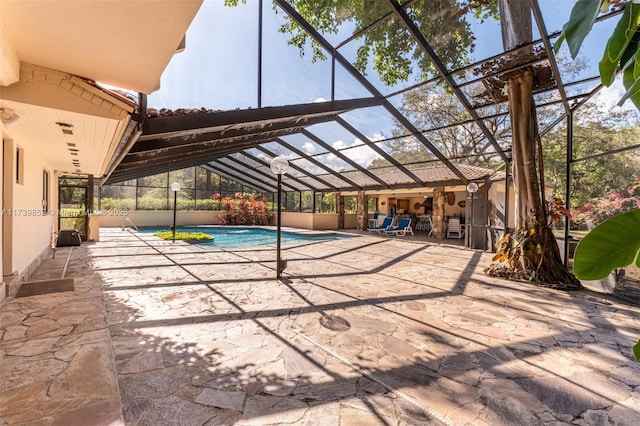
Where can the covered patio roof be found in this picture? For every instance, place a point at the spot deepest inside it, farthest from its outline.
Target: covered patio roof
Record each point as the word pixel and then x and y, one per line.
pixel 328 146
pixel 170 142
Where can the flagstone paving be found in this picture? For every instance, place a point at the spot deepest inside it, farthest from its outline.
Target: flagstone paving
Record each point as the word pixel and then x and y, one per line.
pixel 362 330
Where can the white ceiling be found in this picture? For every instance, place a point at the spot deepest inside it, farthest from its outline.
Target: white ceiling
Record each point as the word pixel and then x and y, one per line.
pixel 127 44
pixel 86 144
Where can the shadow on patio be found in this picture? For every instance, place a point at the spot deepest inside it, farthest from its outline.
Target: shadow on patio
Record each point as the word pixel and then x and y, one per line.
pixel 362 331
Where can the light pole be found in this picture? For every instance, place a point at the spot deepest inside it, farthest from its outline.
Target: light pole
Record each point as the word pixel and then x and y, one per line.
pixel 472 188
pixel 175 187
pixel 279 166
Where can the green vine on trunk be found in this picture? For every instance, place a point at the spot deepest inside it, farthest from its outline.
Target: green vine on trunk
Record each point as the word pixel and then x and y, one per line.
pixel 523 254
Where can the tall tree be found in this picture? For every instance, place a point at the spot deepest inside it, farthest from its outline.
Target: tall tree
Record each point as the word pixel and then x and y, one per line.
pixel 600 175
pixel 448 126
pixel 539 257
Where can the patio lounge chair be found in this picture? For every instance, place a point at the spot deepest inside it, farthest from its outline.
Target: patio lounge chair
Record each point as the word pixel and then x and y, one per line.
pixel 454 228
pixel 403 227
pixel 385 224
pixel 376 220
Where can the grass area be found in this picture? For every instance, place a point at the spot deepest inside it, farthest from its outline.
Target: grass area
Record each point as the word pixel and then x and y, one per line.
pixel 181 235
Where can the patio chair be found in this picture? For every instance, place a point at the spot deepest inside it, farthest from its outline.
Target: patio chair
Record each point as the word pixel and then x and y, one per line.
pixel 376 220
pixel 383 226
pixel 402 228
pixel 423 223
pixel 454 228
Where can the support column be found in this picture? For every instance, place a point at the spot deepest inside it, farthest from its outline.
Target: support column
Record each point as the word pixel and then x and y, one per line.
pixel 439 226
pixel 340 210
pixel 362 215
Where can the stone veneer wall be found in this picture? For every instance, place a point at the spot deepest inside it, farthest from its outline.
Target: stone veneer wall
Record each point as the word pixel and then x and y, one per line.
pixel 362 207
pixel 439 226
pixel 340 210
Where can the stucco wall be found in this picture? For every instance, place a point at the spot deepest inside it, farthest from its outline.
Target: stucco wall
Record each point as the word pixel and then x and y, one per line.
pixel 497 196
pixel 414 199
pixel 2 248
pixel 31 229
pixel 158 218
pixel 325 221
pixel 318 221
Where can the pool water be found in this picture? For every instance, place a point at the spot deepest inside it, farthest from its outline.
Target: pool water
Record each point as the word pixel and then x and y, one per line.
pixel 238 236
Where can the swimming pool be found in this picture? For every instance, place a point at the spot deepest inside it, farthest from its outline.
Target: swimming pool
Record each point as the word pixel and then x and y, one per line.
pixel 239 236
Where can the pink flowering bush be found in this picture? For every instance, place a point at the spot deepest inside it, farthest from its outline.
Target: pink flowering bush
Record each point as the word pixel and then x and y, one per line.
pixel 244 210
pixel 597 210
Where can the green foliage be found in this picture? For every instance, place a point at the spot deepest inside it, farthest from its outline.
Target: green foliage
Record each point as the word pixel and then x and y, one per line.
pixel 622 50
pixel 205 204
pixel 612 244
pixel 622 43
pixel 599 209
pixel 388 47
pixel 583 15
pixel 153 193
pixel 293 200
pixel 149 202
pixel 372 205
pixel 615 242
pixel 594 178
pixel 306 202
pixel 79 221
pixel 430 107
pixel 329 203
pixel 182 235
pixel 244 210
pixel 118 203
pixel 350 204
pixel 526 253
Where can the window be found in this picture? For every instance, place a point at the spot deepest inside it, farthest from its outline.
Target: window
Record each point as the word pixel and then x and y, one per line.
pixel 372 206
pixel 350 204
pixel 19 165
pixel 45 191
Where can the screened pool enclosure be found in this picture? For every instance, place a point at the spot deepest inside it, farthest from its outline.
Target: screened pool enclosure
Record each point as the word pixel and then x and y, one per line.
pixel 375 97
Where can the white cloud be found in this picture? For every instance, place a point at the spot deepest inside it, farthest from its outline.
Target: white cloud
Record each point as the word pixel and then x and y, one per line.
pixel 357 152
pixel 607 99
pixel 377 137
pixel 309 148
pixel 339 144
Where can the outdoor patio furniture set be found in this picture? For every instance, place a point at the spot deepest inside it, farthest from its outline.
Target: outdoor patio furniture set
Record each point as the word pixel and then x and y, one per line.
pixel 400 226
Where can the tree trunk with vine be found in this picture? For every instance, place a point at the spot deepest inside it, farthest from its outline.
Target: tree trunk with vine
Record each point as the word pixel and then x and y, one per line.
pixel 540 255
pixel 534 253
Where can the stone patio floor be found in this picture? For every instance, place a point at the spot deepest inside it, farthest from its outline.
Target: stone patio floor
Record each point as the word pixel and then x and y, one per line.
pixel 361 331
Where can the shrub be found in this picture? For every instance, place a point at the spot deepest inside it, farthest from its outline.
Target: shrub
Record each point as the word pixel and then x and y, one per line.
pixel 597 210
pixel 207 204
pixel 244 210
pixel 117 203
pixel 182 235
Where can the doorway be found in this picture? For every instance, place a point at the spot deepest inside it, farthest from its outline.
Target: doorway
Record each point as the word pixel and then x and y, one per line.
pixel 477 223
pixel 75 201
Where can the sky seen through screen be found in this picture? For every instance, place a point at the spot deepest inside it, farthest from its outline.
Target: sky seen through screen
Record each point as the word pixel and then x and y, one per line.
pixel 218 70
